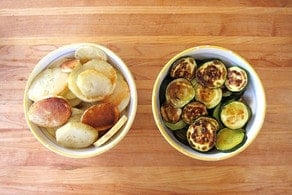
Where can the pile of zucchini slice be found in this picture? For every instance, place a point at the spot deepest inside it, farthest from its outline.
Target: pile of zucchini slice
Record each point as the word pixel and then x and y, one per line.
pixel 202 104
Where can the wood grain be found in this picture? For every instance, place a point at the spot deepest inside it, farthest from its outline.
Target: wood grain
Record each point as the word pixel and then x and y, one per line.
pixel 146 34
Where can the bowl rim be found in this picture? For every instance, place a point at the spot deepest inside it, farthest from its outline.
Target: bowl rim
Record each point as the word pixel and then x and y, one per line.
pixel 156 110
pixel 132 107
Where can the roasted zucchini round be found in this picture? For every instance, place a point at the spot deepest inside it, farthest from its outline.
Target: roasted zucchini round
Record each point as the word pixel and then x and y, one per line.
pixel 236 80
pixel 170 113
pixel 229 140
pixel 212 74
pixel 208 96
pixel 179 92
pixel 201 134
pixel 192 111
pixel 184 68
pixel 235 114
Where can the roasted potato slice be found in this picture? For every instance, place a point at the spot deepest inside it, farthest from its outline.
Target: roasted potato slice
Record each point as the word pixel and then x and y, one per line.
pixel 91 84
pixel 86 53
pixel 76 135
pixel 101 116
pixel 121 94
pixel 50 112
pixel 49 82
pixel 69 65
pixel 103 67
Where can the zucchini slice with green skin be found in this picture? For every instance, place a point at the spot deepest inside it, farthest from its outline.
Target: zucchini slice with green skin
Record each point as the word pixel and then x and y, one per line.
pixel 192 111
pixel 237 79
pixel 228 140
pixel 170 113
pixel 201 134
pixel 184 67
pixel 175 126
pixel 216 114
pixel 179 92
pixel 212 74
pixel 235 114
pixel 209 97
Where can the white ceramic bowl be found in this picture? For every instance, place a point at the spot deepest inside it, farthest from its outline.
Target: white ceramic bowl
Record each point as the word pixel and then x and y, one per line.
pixel 48 141
pixel 254 95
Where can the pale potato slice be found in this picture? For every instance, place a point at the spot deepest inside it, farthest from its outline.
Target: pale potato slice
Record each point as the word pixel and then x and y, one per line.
pixel 74 102
pixel 86 53
pixel 76 111
pixel 102 67
pixel 68 94
pixel 121 94
pixel 49 82
pixel 76 135
pixel 89 85
pixel 76 115
pixel 94 84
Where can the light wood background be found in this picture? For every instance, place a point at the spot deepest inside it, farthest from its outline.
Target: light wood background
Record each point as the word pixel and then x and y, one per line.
pixel 146 34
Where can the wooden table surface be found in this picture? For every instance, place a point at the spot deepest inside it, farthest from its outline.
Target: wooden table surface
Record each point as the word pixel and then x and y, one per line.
pixel 146 34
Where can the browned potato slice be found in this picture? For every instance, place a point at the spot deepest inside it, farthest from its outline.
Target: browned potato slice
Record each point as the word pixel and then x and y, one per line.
pixel 101 116
pixel 50 112
pixel 69 65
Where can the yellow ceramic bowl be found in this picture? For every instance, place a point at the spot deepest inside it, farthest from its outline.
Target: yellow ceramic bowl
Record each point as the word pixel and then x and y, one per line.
pixel 47 140
pixel 254 95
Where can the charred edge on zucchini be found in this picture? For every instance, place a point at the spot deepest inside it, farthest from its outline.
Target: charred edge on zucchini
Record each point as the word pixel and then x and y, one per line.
pixel 237 79
pixel 184 67
pixel 235 114
pixel 212 74
pixel 229 140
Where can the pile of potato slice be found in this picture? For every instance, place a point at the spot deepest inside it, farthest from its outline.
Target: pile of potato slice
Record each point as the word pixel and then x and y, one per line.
pixel 78 100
